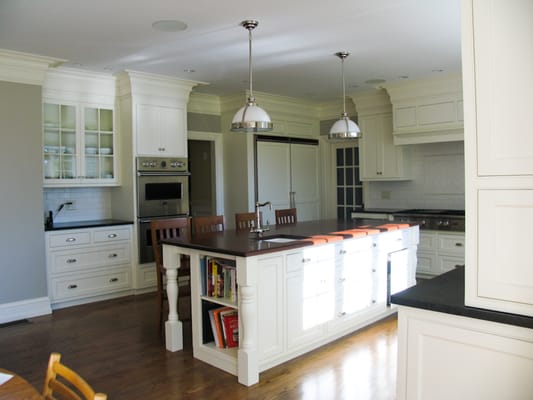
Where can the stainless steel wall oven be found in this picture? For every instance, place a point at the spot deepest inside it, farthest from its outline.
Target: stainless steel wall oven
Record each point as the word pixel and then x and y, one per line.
pixel 162 192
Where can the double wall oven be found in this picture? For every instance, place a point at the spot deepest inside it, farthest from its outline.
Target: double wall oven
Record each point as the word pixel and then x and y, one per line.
pixel 162 192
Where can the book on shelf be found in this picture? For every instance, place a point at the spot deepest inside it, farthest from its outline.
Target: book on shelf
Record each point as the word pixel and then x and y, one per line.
pixel 230 327
pixel 225 326
pixel 219 278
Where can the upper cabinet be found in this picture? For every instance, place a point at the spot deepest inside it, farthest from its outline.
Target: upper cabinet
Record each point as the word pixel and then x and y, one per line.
pixel 427 110
pixel 154 107
pixel 79 137
pixel 381 160
pixel 497 54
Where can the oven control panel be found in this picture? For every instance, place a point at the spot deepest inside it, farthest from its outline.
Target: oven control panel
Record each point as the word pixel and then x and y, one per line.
pixel 158 164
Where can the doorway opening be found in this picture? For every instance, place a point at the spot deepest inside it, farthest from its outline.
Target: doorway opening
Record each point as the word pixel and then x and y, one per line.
pixel 203 177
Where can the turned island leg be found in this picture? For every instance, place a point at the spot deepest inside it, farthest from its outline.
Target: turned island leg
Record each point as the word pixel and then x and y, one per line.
pixel 173 327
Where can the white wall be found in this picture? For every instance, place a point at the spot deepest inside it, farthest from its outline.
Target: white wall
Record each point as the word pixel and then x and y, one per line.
pixel 438 180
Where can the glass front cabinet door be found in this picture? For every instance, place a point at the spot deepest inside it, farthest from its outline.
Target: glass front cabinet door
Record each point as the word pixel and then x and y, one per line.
pixel 78 145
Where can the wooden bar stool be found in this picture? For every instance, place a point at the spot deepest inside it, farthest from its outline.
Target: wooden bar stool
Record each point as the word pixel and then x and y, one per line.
pixel 246 221
pixel 286 216
pixel 209 224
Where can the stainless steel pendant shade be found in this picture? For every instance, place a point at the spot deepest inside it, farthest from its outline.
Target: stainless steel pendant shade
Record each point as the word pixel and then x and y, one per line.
pixel 344 127
pixel 251 117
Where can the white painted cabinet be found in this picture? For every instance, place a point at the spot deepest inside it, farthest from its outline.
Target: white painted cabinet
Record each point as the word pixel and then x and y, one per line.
pixel 427 110
pixel 161 131
pixel 445 356
pixel 497 43
pixel 439 252
pixel 310 294
pixel 381 160
pixel 85 265
pixel 79 130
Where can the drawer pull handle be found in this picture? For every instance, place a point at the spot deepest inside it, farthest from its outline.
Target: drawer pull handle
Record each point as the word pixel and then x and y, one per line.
pixel 342 314
pixel 343 252
pixel 72 286
pixel 71 261
pixel 112 235
pixel 70 240
pixel 306 260
pixel 113 280
pixel 458 244
pixel 113 255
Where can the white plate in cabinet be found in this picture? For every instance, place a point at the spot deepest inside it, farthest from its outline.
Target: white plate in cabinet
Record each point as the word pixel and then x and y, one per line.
pixel 78 286
pixel 89 257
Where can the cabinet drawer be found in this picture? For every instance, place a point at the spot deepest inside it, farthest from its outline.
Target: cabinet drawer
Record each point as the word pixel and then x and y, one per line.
pixel 353 245
pixel 295 261
pixel 427 241
pixel 110 235
pixel 451 244
pixel 69 239
pixel 94 284
pixel 70 261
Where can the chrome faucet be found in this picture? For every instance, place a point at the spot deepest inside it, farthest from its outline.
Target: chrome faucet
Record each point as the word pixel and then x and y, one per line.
pixel 258 228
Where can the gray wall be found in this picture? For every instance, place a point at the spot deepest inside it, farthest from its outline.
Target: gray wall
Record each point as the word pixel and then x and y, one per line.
pixel 22 256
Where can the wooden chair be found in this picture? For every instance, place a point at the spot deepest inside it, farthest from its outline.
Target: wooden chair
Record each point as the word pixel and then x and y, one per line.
pixel 246 221
pixel 208 224
pixel 286 216
pixel 167 229
pixel 63 383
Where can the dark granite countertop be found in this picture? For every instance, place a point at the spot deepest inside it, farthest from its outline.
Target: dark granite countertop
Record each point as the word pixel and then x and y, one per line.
pixel 246 244
pixel 445 293
pixel 86 224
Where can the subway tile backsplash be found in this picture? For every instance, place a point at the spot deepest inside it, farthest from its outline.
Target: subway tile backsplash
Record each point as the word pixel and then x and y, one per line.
pixel 89 203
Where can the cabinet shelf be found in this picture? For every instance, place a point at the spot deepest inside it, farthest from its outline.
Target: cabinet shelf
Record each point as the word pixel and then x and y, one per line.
pixel 220 300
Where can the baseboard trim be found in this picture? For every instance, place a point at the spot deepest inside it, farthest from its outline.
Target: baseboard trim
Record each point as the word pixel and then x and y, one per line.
pixel 24 309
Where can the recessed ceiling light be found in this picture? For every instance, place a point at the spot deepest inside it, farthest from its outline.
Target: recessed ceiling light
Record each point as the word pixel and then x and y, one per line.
pixel 374 81
pixel 169 25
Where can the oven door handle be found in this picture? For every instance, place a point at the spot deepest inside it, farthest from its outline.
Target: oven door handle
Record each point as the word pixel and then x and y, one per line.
pixel 142 173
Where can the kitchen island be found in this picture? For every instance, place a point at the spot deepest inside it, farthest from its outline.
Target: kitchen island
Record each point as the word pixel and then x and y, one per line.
pixel 295 289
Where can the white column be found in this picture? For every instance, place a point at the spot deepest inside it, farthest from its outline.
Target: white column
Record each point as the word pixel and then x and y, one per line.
pixel 247 363
pixel 173 327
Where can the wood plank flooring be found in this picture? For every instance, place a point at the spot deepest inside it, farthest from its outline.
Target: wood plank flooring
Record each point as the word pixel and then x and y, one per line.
pixel 115 345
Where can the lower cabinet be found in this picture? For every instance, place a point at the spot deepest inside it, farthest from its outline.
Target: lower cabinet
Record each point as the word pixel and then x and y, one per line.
pixel 439 252
pixel 445 356
pixel 87 264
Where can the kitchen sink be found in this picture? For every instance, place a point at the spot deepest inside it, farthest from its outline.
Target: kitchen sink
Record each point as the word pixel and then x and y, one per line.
pixel 282 238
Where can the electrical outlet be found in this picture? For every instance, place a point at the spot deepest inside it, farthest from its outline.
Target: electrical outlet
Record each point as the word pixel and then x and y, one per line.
pixel 70 205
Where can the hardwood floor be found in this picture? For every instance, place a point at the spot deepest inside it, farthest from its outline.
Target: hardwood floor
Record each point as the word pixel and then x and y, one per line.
pixel 115 345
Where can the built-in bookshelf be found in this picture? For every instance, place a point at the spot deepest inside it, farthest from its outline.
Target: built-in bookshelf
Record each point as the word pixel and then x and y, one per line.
pixel 220 320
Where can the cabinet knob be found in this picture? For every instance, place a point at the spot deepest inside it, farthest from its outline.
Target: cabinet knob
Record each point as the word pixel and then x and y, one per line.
pixel 458 244
pixel 112 235
pixel 306 260
pixel 112 255
pixel 113 280
pixel 343 252
pixel 70 240
pixel 71 261
pixel 72 286
pixel 341 314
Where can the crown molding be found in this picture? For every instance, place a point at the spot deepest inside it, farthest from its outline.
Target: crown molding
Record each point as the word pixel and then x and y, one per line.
pixel 24 67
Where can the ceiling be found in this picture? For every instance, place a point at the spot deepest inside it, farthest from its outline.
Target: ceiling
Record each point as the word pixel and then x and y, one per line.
pixel 293 46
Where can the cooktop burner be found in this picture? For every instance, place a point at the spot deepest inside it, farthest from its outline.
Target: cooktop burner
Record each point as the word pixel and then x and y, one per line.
pixel 434 219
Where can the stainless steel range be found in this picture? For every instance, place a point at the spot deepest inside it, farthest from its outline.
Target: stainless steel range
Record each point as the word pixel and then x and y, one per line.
pixel 430 219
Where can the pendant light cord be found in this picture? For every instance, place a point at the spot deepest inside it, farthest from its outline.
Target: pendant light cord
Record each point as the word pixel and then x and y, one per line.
pixel 343 88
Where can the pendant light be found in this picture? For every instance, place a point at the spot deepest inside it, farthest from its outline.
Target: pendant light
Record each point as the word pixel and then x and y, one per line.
pixel 344 128
pixel 251 117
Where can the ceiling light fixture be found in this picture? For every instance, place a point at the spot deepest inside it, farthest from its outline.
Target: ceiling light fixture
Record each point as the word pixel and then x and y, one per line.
pixel 344 128
pixel 251 117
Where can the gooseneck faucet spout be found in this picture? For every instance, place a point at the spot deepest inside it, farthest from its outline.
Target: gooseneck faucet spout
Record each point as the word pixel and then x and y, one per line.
pixel 258 228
